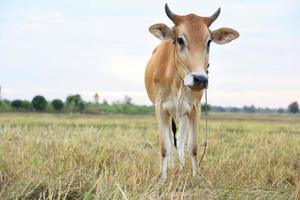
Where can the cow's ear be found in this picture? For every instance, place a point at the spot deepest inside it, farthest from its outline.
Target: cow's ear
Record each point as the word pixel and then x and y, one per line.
pixel 224 35
pixel 162 31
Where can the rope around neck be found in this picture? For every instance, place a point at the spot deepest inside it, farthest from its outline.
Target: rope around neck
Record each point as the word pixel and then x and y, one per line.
pixel 205 144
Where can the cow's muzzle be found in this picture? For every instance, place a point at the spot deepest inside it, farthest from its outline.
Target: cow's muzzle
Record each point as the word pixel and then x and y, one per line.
pixel 196 80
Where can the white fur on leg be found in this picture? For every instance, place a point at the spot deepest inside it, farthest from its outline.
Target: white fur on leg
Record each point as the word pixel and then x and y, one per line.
pixel 163 174
pixel 194 165
pixel 181 158
pixel 171 159
pixel 164 129
pixel 193 152
pixel 183 128
pixel 165 158
pixel 192 140
pixel 167 151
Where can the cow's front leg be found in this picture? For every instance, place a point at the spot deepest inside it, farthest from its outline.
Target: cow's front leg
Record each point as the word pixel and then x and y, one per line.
pixel 192 140
pixel 183 128
pixel 164 136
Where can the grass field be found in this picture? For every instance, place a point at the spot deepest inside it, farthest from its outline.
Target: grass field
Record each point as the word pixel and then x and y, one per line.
pixel 45 156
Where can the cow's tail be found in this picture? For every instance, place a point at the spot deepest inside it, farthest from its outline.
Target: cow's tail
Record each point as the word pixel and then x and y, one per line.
pixel 174 129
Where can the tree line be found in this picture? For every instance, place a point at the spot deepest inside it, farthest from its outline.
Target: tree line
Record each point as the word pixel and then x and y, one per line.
pixel 75 103
pixel 291 108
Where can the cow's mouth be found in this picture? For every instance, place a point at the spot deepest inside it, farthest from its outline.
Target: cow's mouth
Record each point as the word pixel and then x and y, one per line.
pixel 197 88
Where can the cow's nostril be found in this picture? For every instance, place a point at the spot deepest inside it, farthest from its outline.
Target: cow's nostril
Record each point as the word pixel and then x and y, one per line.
pixel 200 80
pixel 196 79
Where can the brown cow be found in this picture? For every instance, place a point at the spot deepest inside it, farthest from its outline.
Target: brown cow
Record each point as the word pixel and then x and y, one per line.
pixel 176 77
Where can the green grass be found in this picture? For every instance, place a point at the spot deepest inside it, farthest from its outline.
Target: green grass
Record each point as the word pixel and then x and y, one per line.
pixel 47 156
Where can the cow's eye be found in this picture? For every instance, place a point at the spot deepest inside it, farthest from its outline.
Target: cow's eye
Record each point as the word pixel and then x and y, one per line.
pixel 180 41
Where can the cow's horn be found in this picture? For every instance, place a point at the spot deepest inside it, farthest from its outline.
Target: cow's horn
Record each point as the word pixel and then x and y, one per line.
pixel 212 18
pixel 170 14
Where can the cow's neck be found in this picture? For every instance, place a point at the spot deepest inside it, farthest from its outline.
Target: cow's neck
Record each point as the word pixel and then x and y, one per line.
pixel 180 102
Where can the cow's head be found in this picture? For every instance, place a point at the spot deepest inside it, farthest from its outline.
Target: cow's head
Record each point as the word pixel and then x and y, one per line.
pixel 191 38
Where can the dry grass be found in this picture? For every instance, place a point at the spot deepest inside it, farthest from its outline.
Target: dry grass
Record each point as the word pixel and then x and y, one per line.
pixel 117 157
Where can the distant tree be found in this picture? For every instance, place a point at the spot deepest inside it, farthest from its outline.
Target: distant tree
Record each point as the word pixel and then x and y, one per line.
pixel 16 104
pixel 218 109
pixel 75 99
pixel 21 105
pixel 117 102
pixel 39 103
pixel 127 100
pixel 203 107
pixel 249 109
pixel 5 105
pixel 293 107
pixel 233 109
pixel 75 102
pixel 26 105
pixel 96 98
pixel 57 104
pixel 267 110
pixel 105 102
pixel 280 110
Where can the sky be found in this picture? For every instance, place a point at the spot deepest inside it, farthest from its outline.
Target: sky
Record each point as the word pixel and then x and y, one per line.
pixel 60 47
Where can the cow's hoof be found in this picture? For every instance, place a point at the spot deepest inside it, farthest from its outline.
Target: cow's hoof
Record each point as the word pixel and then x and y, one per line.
pixel 181 167
pixel 171 166
pixel 162 178
pixel 194 173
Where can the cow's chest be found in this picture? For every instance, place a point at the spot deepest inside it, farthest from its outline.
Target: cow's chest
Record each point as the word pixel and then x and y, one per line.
pixel 178 104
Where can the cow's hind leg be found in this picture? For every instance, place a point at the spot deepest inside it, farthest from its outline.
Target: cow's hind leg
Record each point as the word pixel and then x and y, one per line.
pixel 164 135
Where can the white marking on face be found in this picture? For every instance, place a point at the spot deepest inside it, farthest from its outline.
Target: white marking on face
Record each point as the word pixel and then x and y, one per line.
pixel 188 80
